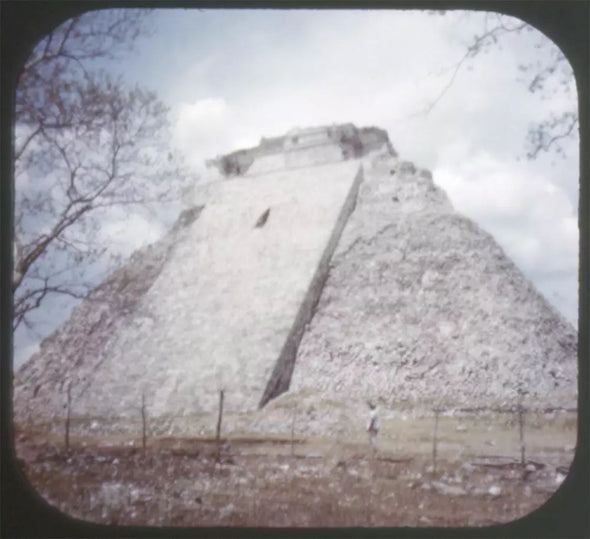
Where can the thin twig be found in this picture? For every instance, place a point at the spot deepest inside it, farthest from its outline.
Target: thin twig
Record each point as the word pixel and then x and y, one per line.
pixel 472 50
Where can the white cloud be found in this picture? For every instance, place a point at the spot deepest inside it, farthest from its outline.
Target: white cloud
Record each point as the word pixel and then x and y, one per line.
pixel 203 128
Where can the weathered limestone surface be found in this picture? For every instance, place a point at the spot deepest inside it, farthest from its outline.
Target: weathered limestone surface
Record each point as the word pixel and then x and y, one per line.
pixel 225 299
pixel 77 350
pixel 422 307
pixel 281 376
pixel 267 163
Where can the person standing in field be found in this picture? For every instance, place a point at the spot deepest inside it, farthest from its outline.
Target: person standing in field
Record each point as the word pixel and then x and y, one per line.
pixel 373 424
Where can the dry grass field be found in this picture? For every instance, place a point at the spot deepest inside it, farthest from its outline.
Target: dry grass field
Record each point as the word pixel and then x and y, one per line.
pixel 251 481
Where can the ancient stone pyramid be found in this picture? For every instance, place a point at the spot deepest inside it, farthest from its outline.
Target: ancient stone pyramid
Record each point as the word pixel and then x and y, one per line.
pixel 313 271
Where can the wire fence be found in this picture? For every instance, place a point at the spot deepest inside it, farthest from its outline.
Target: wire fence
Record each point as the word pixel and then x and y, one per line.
pixel 517 424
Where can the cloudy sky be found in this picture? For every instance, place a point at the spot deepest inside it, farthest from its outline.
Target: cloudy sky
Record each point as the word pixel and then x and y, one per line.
pixel 232 76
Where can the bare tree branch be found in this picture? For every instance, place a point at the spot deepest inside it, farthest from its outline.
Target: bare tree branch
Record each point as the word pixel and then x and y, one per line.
pixel 547 134
pixel 18 153
pixel 478 44
pixel 553 70
pixel 84 143
pixel 32 300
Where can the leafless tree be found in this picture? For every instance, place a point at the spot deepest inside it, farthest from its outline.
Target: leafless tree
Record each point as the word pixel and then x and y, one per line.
pixel 84 145
pixel 548 76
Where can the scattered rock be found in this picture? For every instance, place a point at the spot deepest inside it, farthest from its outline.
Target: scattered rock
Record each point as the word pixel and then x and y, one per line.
pixel 227 447
pixel 448 490
pixel 559 477
pixel 134 495
pixel 494 491
pixel 467 467
pixel 226 511
pixel 457 478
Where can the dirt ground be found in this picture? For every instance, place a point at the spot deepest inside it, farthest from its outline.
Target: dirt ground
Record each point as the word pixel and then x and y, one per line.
pixel 478 479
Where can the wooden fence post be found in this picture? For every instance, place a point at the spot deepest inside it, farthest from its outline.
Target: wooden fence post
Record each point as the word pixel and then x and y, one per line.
pixel 521 432
pixel 434 439
pixel 68 411
pixel 143 423
pixel 293 433
pixel 218 431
